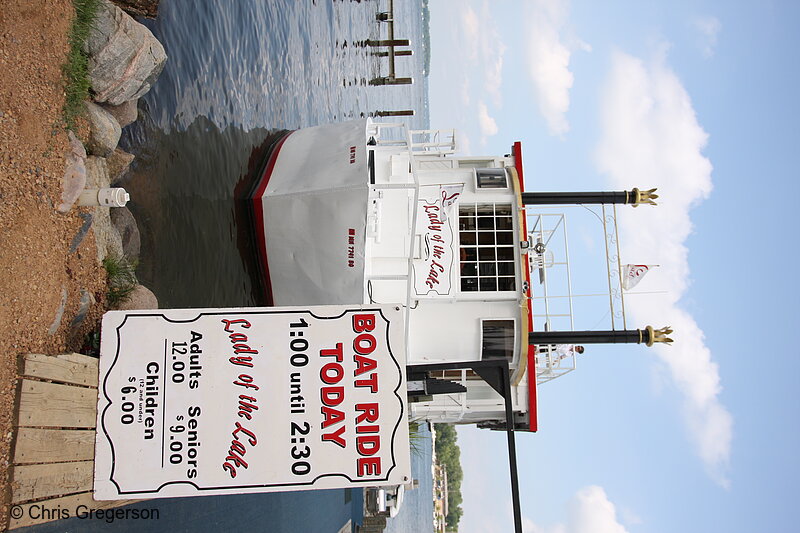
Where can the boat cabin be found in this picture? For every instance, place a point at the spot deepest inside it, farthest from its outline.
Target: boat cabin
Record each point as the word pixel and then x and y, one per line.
pixel 367 213
pixel 460 224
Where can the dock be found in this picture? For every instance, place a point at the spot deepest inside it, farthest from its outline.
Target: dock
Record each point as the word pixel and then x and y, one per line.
pixel 53 450
pixel 391 44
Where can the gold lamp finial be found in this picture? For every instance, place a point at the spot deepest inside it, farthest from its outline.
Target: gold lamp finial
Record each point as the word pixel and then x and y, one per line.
pixel 644 197
pixel 659 335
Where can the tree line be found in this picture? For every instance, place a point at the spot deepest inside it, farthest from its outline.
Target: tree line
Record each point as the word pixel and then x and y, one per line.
pixel 448 454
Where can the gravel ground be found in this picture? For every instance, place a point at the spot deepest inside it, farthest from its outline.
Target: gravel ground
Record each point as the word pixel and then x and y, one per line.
pixel 36 266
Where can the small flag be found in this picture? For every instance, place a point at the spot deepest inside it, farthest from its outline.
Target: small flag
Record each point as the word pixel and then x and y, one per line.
pixel 633 274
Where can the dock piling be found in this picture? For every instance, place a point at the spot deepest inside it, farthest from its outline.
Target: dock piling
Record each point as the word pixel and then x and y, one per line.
pixel 396 53
pixel 399 113
pixel 391 80
pixel 391 43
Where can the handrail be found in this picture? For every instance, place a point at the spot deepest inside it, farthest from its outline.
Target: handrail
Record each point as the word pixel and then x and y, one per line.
pixel 406 142
pixel 412 165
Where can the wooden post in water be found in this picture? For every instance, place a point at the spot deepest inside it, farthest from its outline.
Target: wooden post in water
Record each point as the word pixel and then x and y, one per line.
pixel 391 53
pixel 389 42
pixel 390 22
pixel 390 80
pixel 400 113
pixel 396 53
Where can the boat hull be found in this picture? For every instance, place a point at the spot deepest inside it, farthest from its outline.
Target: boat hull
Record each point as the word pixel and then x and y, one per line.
pixel 310 212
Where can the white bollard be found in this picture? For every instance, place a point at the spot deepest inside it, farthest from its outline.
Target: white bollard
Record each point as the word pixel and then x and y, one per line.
pixel 108 197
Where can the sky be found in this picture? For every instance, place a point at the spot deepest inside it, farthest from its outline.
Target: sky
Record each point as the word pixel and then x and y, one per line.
pixel 698 99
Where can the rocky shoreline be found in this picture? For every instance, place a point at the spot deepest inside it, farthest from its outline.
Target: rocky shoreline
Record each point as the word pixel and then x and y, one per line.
pixel 125 59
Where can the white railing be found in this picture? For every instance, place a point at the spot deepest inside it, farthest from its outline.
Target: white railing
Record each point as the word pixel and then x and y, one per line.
pixel 551 287
pixel 433 142
pixel 405 142
pixel 616 296
pixel 551 364
pixel 548 257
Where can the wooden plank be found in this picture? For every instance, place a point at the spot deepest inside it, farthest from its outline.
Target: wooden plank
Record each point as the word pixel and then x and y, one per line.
pixel 36 445
pixel 60 369
pixel 398 113
pixel 388 42
pixel 55 405
pixel 68 504
pixel 396 53
pixel 79 358
pixel 33 482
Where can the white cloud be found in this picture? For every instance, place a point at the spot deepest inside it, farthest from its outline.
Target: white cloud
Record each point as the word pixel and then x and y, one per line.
pixel 465 93
pixel 592 512
pixel 485 47
pixel 589 511
pixel 651 138
pixel 630 517
pixel 548 61
pixel 464 143
pixel 471 25
pixel 708 29
pixel 487 123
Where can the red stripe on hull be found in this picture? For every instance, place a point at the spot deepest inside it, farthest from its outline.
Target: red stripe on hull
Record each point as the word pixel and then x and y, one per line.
pixel 258 214
pixel 532 392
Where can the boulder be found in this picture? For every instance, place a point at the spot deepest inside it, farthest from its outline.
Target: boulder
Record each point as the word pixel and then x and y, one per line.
pixel 81 234
pixel 105 130
pixel 85 302
pixel 97 173
pixel 128 230
pixel 124 113
pixel 59 313
pixel 124 57
pixel 107 240
pixel 139 8
pixel 118 164
pixel 140 298
pixel 74 180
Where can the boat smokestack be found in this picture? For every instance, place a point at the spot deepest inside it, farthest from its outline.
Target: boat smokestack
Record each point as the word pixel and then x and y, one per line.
pixel 633 197
pixel 647 336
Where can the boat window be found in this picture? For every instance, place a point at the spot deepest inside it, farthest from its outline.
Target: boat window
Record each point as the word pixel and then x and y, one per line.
pixel 486 248
pixel 491 178
pixel 497 339
pixel 475 163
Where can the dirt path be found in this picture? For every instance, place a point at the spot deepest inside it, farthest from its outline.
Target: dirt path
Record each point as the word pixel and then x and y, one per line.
pixel 36 265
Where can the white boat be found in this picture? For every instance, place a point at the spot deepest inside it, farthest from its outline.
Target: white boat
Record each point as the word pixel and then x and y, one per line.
pixel 366 212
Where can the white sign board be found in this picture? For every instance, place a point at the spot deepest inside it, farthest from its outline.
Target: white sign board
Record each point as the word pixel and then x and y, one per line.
pixel 224 401
pixel 436 214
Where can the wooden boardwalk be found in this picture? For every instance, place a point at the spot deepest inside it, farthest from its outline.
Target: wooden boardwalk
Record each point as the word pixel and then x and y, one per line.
pixel 53 453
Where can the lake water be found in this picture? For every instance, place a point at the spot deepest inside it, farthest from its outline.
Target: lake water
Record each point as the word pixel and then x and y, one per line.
pixel 239 71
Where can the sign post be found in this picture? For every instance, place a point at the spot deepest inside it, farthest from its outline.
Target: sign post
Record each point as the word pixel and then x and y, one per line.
pixel 231 401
